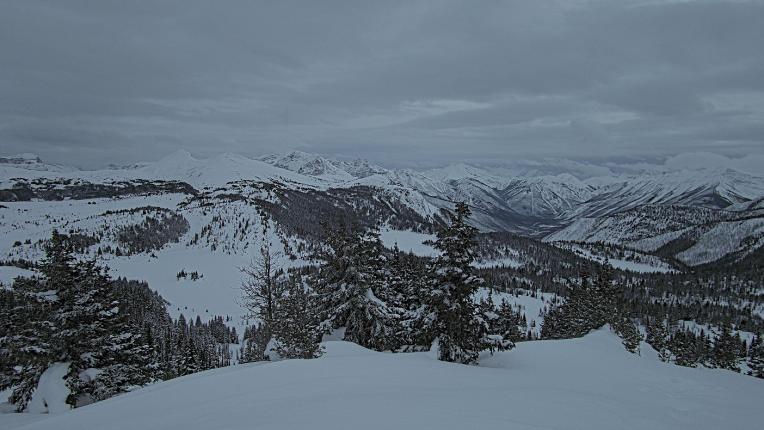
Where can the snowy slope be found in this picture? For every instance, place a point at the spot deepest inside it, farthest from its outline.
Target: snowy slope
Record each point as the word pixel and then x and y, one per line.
pixel 636 262
pixel 708 234
pixel 735 237
pixel 215 171
pixel 310 165
pixel 634 225
pixel 32 162
pixel 460 171
pixel 178 166
pixel 590 383
pixel 712 188
pixel 324 168
pixel 547 196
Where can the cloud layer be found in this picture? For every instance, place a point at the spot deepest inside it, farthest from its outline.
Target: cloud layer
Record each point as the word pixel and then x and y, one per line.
pixel 412 82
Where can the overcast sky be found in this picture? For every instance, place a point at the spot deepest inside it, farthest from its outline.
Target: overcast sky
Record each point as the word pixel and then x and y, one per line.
pixel 408 83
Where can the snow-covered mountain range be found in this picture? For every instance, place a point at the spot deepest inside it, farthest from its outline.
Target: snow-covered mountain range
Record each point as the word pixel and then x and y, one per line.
pixel 645 211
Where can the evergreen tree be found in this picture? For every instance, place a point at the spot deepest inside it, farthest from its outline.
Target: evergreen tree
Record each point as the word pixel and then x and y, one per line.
pixel 604 302
pixel 352 289
pixel 255 343
pixel 555 322
pixel 451 312
pixel 405 295
pixel 296 326
pixel 658 338
pixel 683 346
pixel 703 348
pixel 725 350
pixel 630 335
pixel 25 339
pixel 756 357
pixel 71 314
pixel 95 334
pixel 508 324
pixel 589 307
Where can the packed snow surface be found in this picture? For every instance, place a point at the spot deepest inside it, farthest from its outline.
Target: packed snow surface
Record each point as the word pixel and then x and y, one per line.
pixel 590 383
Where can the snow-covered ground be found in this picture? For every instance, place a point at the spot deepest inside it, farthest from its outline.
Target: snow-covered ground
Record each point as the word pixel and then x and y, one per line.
pixel 34 221
pixel 409 241
pixel 525 303
pixel 654 264
pixel 9 273
pixel 589 383
pixel 215 293
pixel 726 237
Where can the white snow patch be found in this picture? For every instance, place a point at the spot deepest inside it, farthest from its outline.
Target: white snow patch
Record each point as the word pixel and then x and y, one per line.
pixel 50 395
pixel 590 383
pixel 409 241
pixel 9 273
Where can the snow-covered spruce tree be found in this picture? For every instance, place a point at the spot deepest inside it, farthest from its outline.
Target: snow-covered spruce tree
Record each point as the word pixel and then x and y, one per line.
pixel 177 336
pixel 603 302
pixel 683 346
pixel 254 344
pixel 122 356
pixel 756 357
pixel 725 350
pixel 296 328
pixel 608 307
pixel 351 288
pixel 508 323
pixel 25 333
pixel 76 321
pixel 572 318
pixel 107 354
pixel 658 337
pixel 589 307
pixel 703 348
pixel 628 332
pixel 406 291
pixel 554 324
pixel 451 312
pixel 501 324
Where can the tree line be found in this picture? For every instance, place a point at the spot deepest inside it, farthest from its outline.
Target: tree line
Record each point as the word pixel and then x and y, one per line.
pixel 380 299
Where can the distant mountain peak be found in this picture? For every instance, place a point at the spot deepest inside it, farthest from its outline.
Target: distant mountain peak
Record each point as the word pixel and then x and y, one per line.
pixel 30 161
pixel 25 157
pixel 321 167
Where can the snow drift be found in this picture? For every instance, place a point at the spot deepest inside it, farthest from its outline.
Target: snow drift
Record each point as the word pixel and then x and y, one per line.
pixel 588 383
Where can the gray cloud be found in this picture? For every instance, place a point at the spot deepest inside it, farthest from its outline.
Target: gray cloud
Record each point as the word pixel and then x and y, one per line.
pixel 404 83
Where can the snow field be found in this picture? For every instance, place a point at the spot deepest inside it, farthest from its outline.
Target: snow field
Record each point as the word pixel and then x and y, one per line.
pixel 590 383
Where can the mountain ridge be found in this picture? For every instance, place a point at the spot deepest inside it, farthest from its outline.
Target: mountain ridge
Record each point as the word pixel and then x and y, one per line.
pixel 557 207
